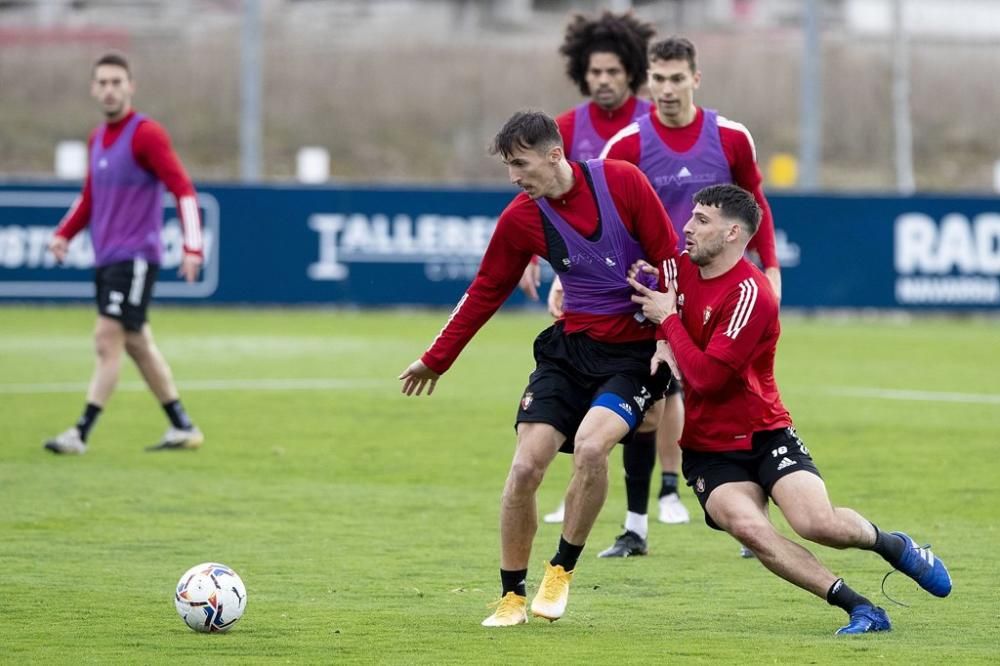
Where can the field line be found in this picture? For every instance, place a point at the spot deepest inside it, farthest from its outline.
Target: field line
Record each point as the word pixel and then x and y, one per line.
pixel 917 396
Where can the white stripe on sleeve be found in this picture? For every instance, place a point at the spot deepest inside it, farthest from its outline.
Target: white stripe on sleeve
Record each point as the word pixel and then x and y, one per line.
pixel 191 221
pixel 743 309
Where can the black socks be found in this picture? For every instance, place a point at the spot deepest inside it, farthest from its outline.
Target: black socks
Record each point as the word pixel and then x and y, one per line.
pixel 668 483
pixel 87 420
pixel 178 417
pixel 567 555
pixel 844 597
pixel 639 459
pixel 890 546
pixel 513 581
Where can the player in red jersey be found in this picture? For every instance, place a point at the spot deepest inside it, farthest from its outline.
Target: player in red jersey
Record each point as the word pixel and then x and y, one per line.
pixel 721 326
pixel 591 386
pixel 682 148
pixel 606 59
pixel 131 163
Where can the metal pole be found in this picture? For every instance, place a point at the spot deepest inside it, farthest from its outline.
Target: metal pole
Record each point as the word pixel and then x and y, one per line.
pixel 250 93
pixel 903 128
pixel 811 96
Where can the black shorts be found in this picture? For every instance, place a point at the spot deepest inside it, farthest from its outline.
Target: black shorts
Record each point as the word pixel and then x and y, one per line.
pixel 124 289
pixel 575 372
pixel 775 453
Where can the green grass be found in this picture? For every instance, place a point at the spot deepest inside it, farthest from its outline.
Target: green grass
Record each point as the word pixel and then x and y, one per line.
pixel 364 524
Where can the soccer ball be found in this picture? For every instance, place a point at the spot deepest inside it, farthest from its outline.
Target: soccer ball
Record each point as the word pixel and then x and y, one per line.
pixel 210 597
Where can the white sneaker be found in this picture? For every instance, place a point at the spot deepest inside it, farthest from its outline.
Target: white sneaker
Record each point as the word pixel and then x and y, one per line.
pixel 746 553
pixel 556 516
pixel 176 438
pixel 67 442
pixel 672 511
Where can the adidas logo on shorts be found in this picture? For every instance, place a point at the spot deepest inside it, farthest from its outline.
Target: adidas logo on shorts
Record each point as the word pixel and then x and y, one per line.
pixel 785 462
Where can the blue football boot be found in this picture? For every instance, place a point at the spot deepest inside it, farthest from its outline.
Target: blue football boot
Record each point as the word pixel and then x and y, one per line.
pixel 866 619
pixel 921 565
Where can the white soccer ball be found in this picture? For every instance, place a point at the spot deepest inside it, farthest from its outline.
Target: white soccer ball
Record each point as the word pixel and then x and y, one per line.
pixel 210 597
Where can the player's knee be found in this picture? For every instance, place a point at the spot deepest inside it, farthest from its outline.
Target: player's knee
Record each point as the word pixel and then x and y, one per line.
pixel 136 345
pixel 525 477
pixel 107 345
pixel 750 531
pixel 821 529
pixel 590 455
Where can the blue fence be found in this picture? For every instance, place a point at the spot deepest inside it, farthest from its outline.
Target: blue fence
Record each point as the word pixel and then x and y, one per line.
pixel 394 246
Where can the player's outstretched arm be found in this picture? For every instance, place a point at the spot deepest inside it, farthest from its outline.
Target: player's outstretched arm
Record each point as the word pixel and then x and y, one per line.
pixel 416 377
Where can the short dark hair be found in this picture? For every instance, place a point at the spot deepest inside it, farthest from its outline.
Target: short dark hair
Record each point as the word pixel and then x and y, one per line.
pixel 621 34
pixel 529 130
pixel 735 202
pixel 116 59
pixel 674 48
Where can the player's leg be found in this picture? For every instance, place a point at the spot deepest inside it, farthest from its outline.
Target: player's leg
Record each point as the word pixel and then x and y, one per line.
pixel 804 501
pixel 111 286
pixel 550 409
pixel 537 445
pixel 605 424
pixel 740 509
pixel 639 461
pixel 672 510
pixel 142 348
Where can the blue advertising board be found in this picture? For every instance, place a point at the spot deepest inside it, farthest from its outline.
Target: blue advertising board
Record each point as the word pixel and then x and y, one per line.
pixel 371 246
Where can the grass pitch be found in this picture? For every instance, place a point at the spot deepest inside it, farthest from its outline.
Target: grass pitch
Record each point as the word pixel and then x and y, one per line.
pixel 364 524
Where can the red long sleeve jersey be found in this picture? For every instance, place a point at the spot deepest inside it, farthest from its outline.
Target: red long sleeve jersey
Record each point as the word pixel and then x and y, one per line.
pixel 519 236
pixel 606 123
pixel 153 152
pixel 740 152
pixel 724 338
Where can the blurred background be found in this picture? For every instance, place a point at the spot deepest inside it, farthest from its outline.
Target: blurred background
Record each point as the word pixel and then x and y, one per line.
pixel 341 144
pixel 410 91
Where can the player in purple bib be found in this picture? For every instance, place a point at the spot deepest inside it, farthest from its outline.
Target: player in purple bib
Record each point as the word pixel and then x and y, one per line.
pixel 131 166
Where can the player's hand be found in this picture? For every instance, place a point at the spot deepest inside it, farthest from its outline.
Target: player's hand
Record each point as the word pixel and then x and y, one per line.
pixel 531 280
pixel 190 266
pixel 773 276
pixel 59 246
pixel 416 377
pixel 664 354
pixel 656 305
pixel 642 266
pixel 555 300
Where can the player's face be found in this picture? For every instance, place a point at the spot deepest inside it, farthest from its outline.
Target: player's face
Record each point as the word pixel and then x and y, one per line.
pixel 607 80
pixel 707 232
pixel 533 171
pixel 672 85
pixel 113 89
